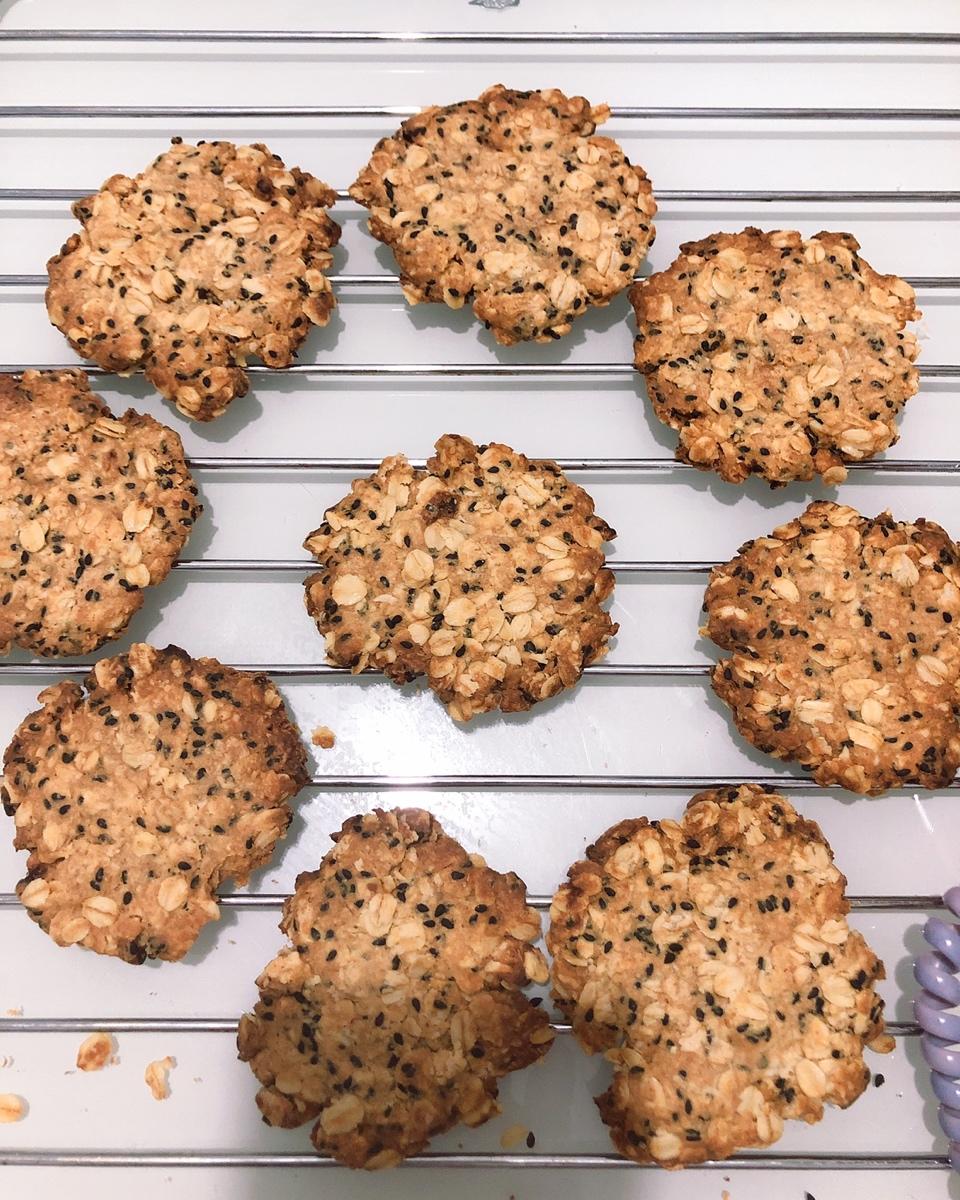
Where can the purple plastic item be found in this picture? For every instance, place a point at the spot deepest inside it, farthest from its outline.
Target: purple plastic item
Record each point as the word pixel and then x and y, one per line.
pixel 936 972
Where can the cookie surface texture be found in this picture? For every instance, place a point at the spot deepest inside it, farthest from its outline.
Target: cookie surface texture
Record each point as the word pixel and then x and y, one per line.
pixel 776 356
pixel 485 573
pixel 399 1003
pixel 712 963
pixel 93 509
pixel 214 254
pixel 138 794
pixel 844 641
pixel 513 204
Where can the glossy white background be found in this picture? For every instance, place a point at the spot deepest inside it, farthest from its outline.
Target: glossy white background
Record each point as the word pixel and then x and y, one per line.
pixel 900 845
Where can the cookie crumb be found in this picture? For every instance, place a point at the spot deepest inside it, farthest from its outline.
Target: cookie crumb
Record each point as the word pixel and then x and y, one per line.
pixel 323 737
pixel 513 1136
pixel 12 1108
pixel 156 1077
pixel 14 1012
pixel 96 1051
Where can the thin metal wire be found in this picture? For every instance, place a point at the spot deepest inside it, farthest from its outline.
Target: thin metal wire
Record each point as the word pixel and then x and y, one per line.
pixel 344 111
pixel 711 196
pixel 828 1161
pixel 321 670
pixel 485 370
pixel 920 282
pixel 485 37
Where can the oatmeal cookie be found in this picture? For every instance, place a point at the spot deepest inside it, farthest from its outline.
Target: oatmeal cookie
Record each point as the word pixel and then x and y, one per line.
pixel 776 355
pixel 712 963
pixel 213 254
pixel 138 797
pixel 513 204
pixel 844 641
pixel 399 1004
pixel 484 572
pixel 93 509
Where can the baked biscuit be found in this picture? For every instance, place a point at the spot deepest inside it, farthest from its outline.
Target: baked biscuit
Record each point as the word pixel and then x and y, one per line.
pixel 399 1004
pixel 711 961
pixel 844 641
pixel 138 797
pixel 485 573
pixel 93 509
pixel 777 356
pixel 214 254
pixel 513 204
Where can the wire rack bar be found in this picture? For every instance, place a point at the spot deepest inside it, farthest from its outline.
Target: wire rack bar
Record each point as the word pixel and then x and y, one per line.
pixel 673 197
pixel 486 370
pixel 920 282
pixel 338 111
pixel 491 37
pixel 294 566
pixel 840 1161
pixel 316 670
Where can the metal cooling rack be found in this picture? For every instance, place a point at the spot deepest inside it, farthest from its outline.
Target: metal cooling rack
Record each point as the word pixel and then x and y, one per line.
pixel 76 40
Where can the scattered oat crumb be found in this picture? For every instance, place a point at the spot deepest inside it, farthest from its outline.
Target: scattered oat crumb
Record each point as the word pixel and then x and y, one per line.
pixel 513 1136
pixel 96 1051
pixel 6 1060
pixel 323 737
pixel 724 1195
pixel 156 1077
pixel 14 1012
pixel 12 1108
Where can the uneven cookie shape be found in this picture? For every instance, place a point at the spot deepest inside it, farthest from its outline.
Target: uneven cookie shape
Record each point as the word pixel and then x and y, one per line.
pixel 776 356
pixel 712 963
pixel 93 509
pixel 485 573
pixel 844 636
pixel 513 204
pixel 138 797
pixel 213 254
pixel 398 1006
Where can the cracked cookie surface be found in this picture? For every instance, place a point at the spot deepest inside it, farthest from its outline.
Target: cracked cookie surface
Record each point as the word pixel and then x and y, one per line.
pixel 712 963
pixel 399 1004
pixel 513 204
pixel 485 573
pixel 844 641
pixel 138 794
pixel 214 254
pixel 93 509
pixel 775 355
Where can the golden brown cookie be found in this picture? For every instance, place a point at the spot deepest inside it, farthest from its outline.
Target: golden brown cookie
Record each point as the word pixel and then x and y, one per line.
pixel 513 204
pixel 712 963
pixel 93 509
pixel 140 795
pixel 777 356
pixel 844 642
pixel 399 1004
pixel 485 573
pixel 214 254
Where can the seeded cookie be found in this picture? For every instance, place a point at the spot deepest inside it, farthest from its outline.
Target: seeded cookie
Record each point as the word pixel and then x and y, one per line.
pixel 712 963
pixel 485 573
pixel 213 254
pixel 844 636
pixel 138 797
pixel 777 356
pixel 513 204
pixel 93 509
pixel 399 1004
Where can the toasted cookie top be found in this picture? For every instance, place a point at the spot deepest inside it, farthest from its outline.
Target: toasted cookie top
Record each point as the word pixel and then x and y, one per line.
pixel 140 795
pixel 93 509
pixel 712 962
pixel 513 204
pixel 776 355
pixel 213 254
pixel 484 572
pixel 398 1005
pixel 844 641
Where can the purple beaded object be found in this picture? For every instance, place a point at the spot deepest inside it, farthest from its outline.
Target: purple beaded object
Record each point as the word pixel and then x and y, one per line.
pixel 936 972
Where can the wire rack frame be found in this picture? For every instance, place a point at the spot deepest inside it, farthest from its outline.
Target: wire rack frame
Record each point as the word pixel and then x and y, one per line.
pixel 529 782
